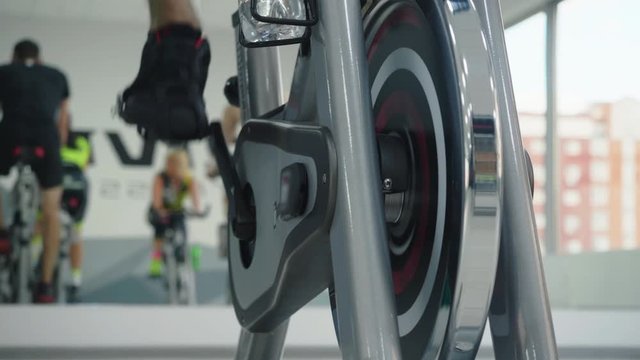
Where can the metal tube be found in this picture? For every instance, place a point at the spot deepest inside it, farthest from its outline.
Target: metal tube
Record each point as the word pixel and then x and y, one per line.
pixel 260 86
pixel 551 139
pixel 265 80
pixel 259 77
pixel 267 346
pixel 520 317
pixel 366 313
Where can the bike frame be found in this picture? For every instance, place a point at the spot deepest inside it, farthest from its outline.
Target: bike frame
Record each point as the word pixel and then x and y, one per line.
pixel 176 271
pixel 63 267
pixel 172 267
pixel 24 219
pixel 522 329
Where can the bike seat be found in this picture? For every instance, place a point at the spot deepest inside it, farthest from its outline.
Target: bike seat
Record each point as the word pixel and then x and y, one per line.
pixel 28 154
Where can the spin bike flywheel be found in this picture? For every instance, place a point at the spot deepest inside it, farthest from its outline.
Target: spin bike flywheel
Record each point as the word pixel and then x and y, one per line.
pixel 412 102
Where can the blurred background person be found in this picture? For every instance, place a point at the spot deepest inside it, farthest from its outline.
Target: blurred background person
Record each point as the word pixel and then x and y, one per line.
pixel 34 98
pixel 75 154
pixel 171 188
pixel 230 123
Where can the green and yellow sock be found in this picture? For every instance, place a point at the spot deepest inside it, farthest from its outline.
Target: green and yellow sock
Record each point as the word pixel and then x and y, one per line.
pixel 155 265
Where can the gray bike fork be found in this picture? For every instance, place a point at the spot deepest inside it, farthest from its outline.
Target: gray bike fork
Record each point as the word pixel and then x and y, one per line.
pixel 189 276
pixel 520 316
pixel 24 274
pixel 171 272
pixel 366 313
pixel 260 86
pixel 61 280
pixel 64 265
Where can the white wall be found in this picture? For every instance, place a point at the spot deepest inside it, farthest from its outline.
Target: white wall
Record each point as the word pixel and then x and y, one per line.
pixel 100 59
pixel 517 10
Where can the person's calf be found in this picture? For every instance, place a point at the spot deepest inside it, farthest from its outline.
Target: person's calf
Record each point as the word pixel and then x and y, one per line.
pixel 5 242
pixel 51 231
pixel 166 12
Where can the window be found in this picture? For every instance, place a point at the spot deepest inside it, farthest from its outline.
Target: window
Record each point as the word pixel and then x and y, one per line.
pixel 599 196
pixel 541 221
pixel 599 105
pixel 571 224
pixel 573 148
pixel 572 174
pixel 539 197
pixel 526 49
pixel 574 246
pixel 598 155
pixel 571 198
pixel 600 221
pixel 599 171
pixel 601 243
pixel 599 148
pixel 536 147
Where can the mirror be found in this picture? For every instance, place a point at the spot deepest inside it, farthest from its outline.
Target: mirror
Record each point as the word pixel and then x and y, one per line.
pixel 116 236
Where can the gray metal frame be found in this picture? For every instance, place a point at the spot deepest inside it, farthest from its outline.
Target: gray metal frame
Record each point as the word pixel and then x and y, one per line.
pixel 171 271
pixel 179 273
pixel 551 137
pixel 365 304
pixel 260 87
pixel 482 207
pixel 26 194
pixel 520 318
pixel 362 272
pixel 63 265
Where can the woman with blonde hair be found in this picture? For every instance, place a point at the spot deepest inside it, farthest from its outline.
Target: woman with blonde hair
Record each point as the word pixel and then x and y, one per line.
pixel 171 187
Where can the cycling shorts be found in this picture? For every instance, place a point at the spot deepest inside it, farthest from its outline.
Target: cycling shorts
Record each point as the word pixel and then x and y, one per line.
pixel 48 168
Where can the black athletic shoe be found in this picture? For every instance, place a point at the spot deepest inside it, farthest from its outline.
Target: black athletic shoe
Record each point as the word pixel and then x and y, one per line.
pixel 73 294
pixel 5 242
pixel 166 100
pixel 44 294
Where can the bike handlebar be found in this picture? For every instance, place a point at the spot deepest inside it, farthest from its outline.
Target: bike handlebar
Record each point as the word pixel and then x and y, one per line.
pixel 191 213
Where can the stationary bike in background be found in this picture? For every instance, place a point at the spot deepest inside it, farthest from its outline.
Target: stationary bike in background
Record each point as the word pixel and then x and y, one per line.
pixel 62 271
pixel 180 259
pixel 16 269
pixel 73 207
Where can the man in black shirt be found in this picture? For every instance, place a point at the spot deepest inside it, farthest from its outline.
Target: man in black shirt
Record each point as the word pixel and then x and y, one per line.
pixel 34 101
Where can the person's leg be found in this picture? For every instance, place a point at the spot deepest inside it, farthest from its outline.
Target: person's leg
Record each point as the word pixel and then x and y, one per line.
pixel 168 12
pixel 156 267
pixel 1 213
pixel 36 239
pixel 51 231
pixel 76 257
pixel 48 170
pixel 7 142
pixel 5 166
pixel 5 242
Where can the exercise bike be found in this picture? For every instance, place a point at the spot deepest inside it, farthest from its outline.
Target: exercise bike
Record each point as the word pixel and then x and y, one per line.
pixel 73 206
pixel 16 270
pixel 394 176
pixel 179 275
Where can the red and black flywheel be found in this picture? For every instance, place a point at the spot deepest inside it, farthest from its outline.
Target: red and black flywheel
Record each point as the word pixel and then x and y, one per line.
pixel 413 106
